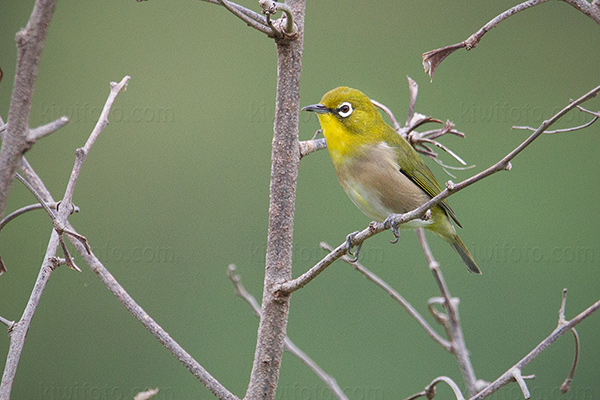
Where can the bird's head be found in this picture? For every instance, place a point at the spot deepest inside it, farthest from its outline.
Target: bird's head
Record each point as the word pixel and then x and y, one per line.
pixel 348 119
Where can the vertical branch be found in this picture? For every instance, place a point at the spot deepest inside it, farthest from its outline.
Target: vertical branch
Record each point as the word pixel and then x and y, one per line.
pixel 284 173
pixel 30 42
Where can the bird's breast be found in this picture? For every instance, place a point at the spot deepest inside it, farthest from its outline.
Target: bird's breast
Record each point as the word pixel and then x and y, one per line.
pixel 373 181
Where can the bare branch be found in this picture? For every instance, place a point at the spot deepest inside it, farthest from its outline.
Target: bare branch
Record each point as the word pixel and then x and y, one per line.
pixel 389 113
pixel 310 146
pixel 9 324
pixel 594 113
pixel 19 330
pixel 432 59
pixel 156 330
pixel 566 385
pixel 285 27
pixel 560 330
pixel 452 322
pixel 251 18
pixel 592 9
pixel 397 297
pixel 571 129
pixel 285 159
pixel 42 131
pixel 30 42
pixel 289 345
pixel 23 210
pixel 429 391
pixel 516 374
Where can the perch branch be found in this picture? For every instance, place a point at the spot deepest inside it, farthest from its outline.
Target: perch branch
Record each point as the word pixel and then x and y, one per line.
pixel 289 345
pixel 451 188
pixel 396 296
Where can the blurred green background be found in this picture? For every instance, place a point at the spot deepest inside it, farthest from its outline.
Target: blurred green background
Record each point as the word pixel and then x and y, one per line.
pixel 176 188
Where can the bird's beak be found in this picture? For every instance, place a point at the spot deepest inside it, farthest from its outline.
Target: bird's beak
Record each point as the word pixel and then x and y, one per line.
pixel 318 108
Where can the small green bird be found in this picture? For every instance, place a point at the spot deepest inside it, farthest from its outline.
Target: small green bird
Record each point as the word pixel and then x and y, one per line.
pixel 379 170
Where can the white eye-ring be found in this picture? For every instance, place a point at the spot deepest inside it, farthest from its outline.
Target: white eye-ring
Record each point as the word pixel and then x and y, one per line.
pixel 345 109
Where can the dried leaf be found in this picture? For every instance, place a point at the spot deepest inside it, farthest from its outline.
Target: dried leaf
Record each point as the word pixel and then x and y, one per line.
pixel 433 58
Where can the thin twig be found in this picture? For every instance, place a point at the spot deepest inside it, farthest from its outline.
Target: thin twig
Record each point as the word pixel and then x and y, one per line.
pixel 310 146
pixel 560 330
pixel 432 59
pixel 566 385
pixel 246 15
pixel 571 129
pixel 452 322
pixel 42 131
pixel 594 113
pixel 23 210
pixel 389 113
pixel 289 345
pixel 397 297
pixel 290 29
pixel 7 322
pixel 429 391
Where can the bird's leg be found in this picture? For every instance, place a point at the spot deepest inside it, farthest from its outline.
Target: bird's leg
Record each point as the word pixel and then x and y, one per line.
pixel 394 226
pixel 349 240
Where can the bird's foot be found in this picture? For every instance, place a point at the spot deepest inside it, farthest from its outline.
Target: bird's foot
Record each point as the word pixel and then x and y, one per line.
pixel 394 226
pixel 349 240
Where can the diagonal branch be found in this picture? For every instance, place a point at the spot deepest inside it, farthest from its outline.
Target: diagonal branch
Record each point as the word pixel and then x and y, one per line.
pixel 432 59
pixel 560 330
pixel 397 297
pixel 156 330
pixel 51 262
pixel 251 18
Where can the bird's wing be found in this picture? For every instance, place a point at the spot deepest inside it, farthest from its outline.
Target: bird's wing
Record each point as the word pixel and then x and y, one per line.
pixel 421 175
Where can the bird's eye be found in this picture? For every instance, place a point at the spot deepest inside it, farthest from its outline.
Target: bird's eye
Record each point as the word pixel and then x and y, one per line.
pixel 345 109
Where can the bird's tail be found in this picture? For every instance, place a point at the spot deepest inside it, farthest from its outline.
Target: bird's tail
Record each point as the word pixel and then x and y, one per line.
pixel 464 253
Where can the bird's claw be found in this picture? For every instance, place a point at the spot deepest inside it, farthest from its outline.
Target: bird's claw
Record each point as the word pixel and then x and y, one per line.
pixel 395 227
pixel 349 240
